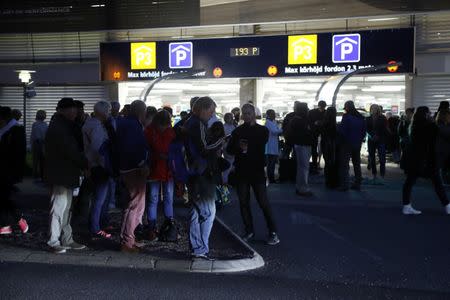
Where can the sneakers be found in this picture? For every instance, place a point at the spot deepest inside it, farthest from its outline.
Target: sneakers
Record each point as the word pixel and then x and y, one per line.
pixel 103 234
pixel 409 210
pixel 58 249
pixel 447 209
pixel 248 236
pixel 129 250
pixel 203 257
pixel 273 239
pixel 23 225
pixel 74 246
pixel 153 235
pixel 5 230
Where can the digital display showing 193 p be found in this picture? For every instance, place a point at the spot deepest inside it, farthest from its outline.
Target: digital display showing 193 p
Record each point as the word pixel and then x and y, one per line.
pixel 244 51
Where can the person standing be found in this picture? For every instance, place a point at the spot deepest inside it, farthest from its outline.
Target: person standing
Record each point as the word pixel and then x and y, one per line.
pixel 38 131
pixel 133 165
pixel 422 158
pixel 201 185
pixel 247 144
pixel 443 105
pixel 352 132
pixel 12 162
pixel 403 129
pixel 64 163
pixel 237 116
pixel 272 151
pixel 316 119
pixel 393 143
pixel 229 127
pixel 300 134
pixel 329 148
pixel 16 114
pixel 377 132
pixel 96 141
pixel 159 136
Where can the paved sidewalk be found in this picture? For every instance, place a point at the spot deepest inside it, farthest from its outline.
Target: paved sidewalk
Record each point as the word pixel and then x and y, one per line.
pixel 230 252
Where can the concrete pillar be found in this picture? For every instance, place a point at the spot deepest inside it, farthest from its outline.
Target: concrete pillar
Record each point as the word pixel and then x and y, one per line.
pixel 409 90
pixel 247 91
pixel 112 91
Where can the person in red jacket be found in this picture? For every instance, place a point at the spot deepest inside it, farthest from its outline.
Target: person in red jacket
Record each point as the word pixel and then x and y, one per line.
pixel 159 135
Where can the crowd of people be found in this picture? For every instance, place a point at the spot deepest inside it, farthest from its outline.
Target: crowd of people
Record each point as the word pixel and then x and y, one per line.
pixel 138 154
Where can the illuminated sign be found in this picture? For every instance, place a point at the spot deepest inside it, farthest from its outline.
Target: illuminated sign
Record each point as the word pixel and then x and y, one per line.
pixel 392 69
pixel 143 56
pixel 180 55
pixel 346 48
pixel 322 54
pixel 302 49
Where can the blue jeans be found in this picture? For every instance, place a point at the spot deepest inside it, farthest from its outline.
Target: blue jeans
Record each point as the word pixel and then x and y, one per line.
pixel 381 149
pixel 152 210
pixel 103 193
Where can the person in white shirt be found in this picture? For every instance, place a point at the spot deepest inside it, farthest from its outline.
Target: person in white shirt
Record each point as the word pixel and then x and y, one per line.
pixel 38 131
pixel 272 151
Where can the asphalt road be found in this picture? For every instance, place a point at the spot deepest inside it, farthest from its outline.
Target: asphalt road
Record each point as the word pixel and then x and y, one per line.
pixel 333 246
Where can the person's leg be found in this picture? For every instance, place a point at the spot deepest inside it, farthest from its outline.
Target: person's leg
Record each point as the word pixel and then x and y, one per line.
pixel 135 185
pixel 407 188
pixel 344 167
pixel 382 158
pixel 104 217
pixel 112 196
pixel 152 206
pixel 100 194
pixel 271 162
pixel 436 179
pixel 372 161
pixel 7 208
pixel 356 161
pixel 59 203
pixel 261 196
pixel 303 154
pixel 168 188
pixel 66 229
pixel 314 152
pixel 243 192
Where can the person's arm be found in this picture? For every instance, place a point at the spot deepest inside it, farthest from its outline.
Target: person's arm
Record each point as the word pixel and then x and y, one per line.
pixel 233 144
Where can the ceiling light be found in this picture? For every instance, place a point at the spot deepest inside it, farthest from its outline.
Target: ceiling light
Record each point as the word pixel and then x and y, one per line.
pixel 382 19
pixel 97 5
pixel 438 96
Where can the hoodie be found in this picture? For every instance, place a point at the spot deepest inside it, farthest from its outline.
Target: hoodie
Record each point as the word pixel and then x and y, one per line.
pixel 94 136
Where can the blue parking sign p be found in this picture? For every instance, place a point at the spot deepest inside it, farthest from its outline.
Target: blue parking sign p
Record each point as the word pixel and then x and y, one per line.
pixel 180 55
pixel 346 48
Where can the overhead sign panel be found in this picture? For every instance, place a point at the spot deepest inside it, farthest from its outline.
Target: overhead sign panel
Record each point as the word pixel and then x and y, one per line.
pixel 260 56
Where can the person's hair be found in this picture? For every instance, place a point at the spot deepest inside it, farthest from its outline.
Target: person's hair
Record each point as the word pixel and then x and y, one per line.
pixel 162 118
pixel 236 109
pixel 115 105
pixel 102 107
pixel 350 108
pixel 150 112
pixel 202 104
pixel 16 113
pixel 270 111
pixel 409 110
pixel 419 119
pixel 443 105
pixel 330 115
pixel 41 115
pixel 441 117
pixel 322 104
pixel 168 109
pixel 183 114
pixel 376 109
pixel 79 104
pixel 5 113
pixel 248 106
pixel 216 131
pixel 137 107
pixel 296 103
pixel 301 109
pixel 229 116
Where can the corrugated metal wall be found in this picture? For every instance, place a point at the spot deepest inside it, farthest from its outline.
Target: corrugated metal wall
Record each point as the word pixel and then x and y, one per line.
pixel 47 97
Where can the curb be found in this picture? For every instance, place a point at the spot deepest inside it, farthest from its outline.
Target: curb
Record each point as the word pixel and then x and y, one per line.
pixel 119 260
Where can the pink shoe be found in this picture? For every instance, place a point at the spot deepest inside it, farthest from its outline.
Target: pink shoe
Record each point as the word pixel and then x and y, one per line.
pixel 23 225
pixel 5 230
pixel 103 234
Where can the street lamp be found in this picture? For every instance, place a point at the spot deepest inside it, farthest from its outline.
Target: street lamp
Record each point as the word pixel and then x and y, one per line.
pixel 25 77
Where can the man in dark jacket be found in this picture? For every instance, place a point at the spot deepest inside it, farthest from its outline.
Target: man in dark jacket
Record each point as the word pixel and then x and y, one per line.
pixel 247 144
pixel 64 164
pixel 316 118
pixel 12 162
pixel 300 134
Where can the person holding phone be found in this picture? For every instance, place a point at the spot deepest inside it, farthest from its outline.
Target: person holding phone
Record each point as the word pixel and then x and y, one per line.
pixel 247 144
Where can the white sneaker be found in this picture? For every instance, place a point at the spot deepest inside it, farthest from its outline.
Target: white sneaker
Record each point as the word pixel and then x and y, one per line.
pixel 409 210
pixel 447 209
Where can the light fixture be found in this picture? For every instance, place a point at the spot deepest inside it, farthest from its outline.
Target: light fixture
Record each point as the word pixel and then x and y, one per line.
pixel 382 19
pixel 438 96
pixel 25 75
pixel 97 5
pixel 384 88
